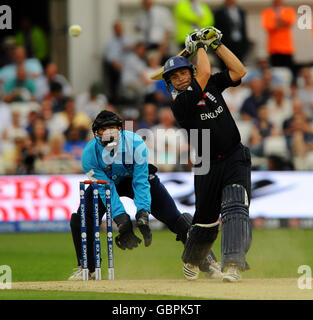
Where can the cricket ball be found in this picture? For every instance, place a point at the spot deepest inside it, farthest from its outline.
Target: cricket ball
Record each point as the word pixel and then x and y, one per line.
pixel 75 30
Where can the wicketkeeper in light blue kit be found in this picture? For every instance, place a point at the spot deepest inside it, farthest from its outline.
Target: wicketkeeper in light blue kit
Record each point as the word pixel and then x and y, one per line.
pixel 121 157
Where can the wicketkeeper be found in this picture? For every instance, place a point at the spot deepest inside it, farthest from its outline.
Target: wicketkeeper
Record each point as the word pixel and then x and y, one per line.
pixel 198 104
pixel 121 157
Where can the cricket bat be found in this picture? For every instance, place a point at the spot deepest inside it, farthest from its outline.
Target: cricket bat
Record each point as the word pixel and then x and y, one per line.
pixel 158 74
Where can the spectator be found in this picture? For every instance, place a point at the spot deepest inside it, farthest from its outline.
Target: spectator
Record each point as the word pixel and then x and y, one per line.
pixel 133 79
pixel 34 39
pixel 231 20
pixel 74 144
pixel 46 114
pixel 234 98
pixel 190 15
pixel 12 151
pixel 56 97
pixel 305 91
pixel 161 95
pixel 62 121
pixel 52 75
pixel 6 117
pixel 156 24
pixel 92 101
pixel 117 48
pixel 149 116
pixel 298 131
pixel 170 143
pixel 21 88
pixel 39 137
pixel 32 66
pixel 12 129
pixel 7 51
pixel 264 126
pixel 257 98
pixel 57 161
pixel 154 64
pixel 277 22
pixel 25 158
pixel 32 117
pixel 270 81
pixel 279 107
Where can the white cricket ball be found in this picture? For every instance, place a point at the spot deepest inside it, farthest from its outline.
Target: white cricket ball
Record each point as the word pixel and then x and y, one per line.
pixel 75 30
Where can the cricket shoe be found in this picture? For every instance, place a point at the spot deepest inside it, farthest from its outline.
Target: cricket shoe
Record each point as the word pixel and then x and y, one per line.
pixel 78 274
pixel 212 270
pixel 232 273
pixel 191 272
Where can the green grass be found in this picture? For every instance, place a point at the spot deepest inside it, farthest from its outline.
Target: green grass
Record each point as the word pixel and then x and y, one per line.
pixel 69 295
pixel 51 257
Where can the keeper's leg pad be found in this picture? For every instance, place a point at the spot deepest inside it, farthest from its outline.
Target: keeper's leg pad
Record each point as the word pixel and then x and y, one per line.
pixel 236 226
pixel 199 243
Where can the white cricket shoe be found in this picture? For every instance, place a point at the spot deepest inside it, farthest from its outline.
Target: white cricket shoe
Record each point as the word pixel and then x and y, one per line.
pixel 214 271
pixel 191 272
pixel 78 274
pixel 232 274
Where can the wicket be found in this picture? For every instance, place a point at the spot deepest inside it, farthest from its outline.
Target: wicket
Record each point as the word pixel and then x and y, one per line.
pixel 97 245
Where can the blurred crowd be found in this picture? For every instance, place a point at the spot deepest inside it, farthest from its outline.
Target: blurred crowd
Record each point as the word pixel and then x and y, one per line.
pixel 44 127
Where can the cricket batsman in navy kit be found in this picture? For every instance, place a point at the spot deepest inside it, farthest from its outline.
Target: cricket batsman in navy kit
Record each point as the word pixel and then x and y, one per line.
pixel 225 189
pixel 121 157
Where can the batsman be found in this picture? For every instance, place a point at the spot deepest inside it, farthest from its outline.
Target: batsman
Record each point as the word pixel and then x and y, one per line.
pixel 121 157
pixel 224 190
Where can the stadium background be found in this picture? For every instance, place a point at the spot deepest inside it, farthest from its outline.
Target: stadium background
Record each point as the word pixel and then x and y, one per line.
pixel 80 61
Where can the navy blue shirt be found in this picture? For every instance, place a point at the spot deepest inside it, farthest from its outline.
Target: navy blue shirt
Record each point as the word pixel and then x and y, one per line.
pixel 195 108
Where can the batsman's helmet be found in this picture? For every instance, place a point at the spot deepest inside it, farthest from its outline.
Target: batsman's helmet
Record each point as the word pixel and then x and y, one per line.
pixel 175 63
pixel 105 119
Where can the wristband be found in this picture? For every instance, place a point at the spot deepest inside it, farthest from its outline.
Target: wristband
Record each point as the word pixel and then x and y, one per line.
pixel 215 44
pixel 200 45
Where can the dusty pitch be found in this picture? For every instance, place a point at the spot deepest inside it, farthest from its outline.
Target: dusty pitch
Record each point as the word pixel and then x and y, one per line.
pixel 252 289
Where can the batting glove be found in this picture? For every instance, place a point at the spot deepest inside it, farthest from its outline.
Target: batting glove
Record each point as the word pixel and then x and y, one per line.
pixel 126 238
pixel 191 43
pixel 142 223
pixel 208 33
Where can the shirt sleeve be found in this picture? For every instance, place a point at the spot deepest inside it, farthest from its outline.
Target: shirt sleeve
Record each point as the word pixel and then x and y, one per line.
pixel 222 80
pixel 140 183
pixel 98 173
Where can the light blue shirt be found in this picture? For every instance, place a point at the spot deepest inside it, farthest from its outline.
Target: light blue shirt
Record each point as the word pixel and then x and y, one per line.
pixel 129 161
pixel 32 67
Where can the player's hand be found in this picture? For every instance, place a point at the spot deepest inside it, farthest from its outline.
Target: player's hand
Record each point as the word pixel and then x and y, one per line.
pixel 208 33
pixel 142 223
pixel 126 238
pixel 191 42
pixel 211 37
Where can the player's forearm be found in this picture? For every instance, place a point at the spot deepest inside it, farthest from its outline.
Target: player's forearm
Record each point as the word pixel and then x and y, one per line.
pixel 203 68
pixel 236 69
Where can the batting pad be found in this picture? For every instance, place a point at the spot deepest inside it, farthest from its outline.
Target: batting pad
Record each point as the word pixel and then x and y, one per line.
pixel 199 243
pixel 236 226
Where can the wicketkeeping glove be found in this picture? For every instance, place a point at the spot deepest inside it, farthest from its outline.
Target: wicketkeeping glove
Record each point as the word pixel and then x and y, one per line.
pixel 142 223
pixel 126 238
